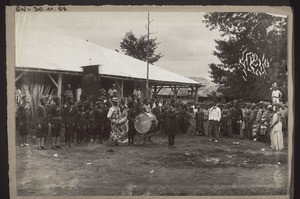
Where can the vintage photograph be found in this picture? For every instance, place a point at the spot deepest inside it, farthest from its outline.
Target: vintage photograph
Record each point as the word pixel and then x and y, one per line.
pixel 151 103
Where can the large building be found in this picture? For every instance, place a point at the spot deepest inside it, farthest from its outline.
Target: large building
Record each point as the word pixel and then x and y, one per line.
pixel 44 59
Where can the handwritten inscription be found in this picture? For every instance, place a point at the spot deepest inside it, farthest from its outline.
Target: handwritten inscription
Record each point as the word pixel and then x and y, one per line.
pixel 251 62
pixel 41 9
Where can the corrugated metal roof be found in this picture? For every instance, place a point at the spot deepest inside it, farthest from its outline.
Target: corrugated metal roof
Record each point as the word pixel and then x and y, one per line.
pixel 40 50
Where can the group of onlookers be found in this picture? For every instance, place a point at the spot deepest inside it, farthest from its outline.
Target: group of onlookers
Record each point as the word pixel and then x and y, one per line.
pixel 261 121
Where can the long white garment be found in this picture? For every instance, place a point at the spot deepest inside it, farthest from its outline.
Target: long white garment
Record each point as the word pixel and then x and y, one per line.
pixel 78 94
pixel 276 134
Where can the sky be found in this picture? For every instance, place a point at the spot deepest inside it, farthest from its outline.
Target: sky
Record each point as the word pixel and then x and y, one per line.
pixel 185 42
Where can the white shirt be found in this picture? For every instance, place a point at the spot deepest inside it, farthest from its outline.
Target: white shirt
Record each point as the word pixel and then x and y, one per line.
pixel 276 93
pixel 113 113
pixel 137 94
pixel 214 113
pixel 195 110
pixel 78 93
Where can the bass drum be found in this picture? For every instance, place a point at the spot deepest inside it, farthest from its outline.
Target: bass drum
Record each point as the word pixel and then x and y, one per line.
pixel 145 123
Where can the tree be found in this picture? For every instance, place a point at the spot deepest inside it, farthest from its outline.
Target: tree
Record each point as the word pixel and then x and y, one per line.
pixel 252 52
pixel 137 47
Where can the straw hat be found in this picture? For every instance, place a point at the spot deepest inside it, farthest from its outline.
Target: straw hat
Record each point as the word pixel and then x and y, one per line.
pixel 115 99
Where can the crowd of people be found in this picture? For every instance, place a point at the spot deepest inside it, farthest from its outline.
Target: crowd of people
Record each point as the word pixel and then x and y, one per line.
pixel 108 118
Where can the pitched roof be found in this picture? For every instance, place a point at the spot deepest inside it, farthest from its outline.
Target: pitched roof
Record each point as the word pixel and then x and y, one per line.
pixel 40 50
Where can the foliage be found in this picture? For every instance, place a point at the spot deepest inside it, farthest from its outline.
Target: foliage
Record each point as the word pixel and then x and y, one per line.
pixel 137 47
pixel 34 92
pixel 260 33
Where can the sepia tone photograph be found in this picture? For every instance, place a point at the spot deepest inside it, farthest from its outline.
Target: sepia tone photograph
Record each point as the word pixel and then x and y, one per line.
pixel 149 102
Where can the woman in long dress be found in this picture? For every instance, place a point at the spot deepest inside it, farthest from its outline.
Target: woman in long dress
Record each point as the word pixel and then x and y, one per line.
pixel 205 118
pixel 199 121
pixel 276 135
pixel 191 130
pixel 118 120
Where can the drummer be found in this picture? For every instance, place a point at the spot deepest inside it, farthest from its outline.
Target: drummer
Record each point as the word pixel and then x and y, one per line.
pixel 118 122
pixel 113 114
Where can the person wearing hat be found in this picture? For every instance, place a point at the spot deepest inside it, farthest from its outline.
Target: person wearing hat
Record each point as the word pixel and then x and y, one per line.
pixel 68 92
pixel 183 118
pixel 137 93
pixel 99 119
pixel 41 124
pixel 276 135
pixel 224 123
pixel 91 111
pixel 236 116
pixel 48 104
pixel 78 122
pixel 157 112
pixel 171 126
pixel 24 118
pixel 131 116
pixel 106 121
pixel 84 122
pixel 276 94
pixel 102 93
pixel 113 115
pixel 69 114
pixel 55 121
pixel 113 92
pixel 264 123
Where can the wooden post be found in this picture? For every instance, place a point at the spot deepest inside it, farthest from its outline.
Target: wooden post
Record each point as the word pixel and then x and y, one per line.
pixel 54 82
pixel 175 93
pixel 192 92
pixel 155 91
pixel 196 94
pixel 122 88
pixel 159 89
pixel 59 85
pixel 17 78
pixel 150 91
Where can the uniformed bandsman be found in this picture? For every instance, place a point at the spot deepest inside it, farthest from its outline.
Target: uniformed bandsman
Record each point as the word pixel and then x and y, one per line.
pixel 99 120
pixel 24 119
pixel 56 122
pixel 91 123
pixel 79 132
pixel 41 124
pixel 69 120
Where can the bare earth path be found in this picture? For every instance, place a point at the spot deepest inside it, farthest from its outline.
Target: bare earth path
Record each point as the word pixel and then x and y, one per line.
pixel 195 167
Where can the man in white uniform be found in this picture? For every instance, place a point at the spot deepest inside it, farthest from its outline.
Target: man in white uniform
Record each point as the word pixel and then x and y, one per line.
pixel 214 117
pixel 276 94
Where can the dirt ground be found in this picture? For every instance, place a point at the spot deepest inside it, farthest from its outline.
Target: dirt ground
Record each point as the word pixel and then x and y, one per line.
pixel 195 167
